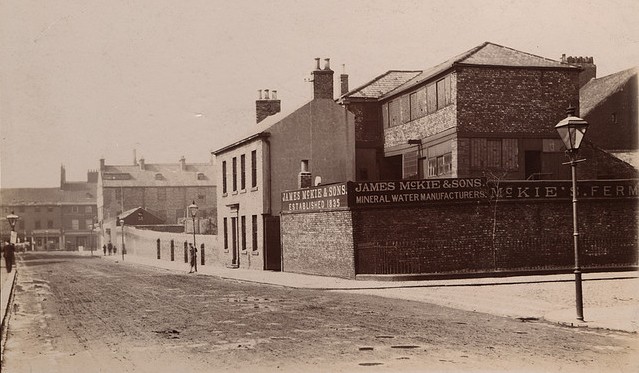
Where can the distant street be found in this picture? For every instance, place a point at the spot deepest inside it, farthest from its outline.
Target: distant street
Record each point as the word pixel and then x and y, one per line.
pixel 77 313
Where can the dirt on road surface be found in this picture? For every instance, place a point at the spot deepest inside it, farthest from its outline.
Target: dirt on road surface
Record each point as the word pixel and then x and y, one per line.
pixel 74 313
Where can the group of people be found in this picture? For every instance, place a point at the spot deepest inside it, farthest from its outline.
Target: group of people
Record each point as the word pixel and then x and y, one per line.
pixel 110 248
pixel 8 251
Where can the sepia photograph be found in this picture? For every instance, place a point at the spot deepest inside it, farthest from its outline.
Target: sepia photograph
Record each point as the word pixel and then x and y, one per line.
pixel 319 186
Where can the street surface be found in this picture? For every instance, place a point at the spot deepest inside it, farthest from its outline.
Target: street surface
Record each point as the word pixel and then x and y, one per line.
pixel 77 313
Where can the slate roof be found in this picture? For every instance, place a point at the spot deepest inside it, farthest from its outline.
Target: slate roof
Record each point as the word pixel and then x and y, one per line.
pixel 49 196
pixel 382 84
pixel 486 54
pixel 170 175
pixel 598 90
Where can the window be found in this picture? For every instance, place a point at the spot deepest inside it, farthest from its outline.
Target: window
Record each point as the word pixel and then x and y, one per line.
pixel 614 118
pixel 21 224
pixel 201 198
pixel 159 176
pixel 242 172
pixel 88 209
pixel 37 224
pixel 37 209
pixel 49 223
pixel 50 208
pixel 404 108
pixel 226 234
pixel 234 174
pixel 254 231
pixel 501 154
pixel 224 177
pixel 200 176
pixel 418 104
pixel 393 113
pixel 87 223
pixel 385 120
pixel 75 224
pixel 440 165
pixel 243 221
pixel 253 169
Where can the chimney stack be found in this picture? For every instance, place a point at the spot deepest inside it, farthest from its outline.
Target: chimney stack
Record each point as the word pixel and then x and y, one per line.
pixel 304 179
pixel 343 78
pixel 182 163
pixel 323 80
pixel 266 106
pixel 135 158
pixel 102 164
pixel 587 64
pixel 141 162
pixel 63 176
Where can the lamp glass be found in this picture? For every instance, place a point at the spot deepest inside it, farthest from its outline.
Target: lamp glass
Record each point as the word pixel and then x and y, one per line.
pixel 571 130
pixel 12 218
pixel 193 209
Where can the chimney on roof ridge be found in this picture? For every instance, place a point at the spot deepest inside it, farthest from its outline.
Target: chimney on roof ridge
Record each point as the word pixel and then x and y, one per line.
pixel 182 163
pixel 135 158
pixel 266 106
pixel 343 78
pixel 102 164
pixel 323 80
pixel 587 64
pixel 304 178
pixel 63 176
pixel 141 162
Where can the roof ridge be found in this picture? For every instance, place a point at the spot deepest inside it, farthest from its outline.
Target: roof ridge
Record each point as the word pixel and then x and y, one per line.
pixel 377 78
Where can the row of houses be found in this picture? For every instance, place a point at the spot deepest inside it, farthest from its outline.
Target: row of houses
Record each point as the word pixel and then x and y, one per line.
pixel 488 112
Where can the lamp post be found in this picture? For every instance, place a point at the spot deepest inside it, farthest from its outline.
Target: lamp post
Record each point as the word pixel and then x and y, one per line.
pixel 122 249
pixel 12 219
pixel 571 131
pixel 91 226
pixel 193 211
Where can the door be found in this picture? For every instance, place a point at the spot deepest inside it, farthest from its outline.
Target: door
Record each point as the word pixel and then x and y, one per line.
pixel 272 243
pixel 235 260
pixel 533 165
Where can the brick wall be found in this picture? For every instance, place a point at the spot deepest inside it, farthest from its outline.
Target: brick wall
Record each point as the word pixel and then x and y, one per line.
pixel 509 100
pixel 460 238
pixel 318 243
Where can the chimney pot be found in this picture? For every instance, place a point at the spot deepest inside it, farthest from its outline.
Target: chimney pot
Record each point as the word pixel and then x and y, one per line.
pixel 259 94
pixel 141 162
pixel 274 94
pixel 317 63
pixel 266 94
pixel 327 63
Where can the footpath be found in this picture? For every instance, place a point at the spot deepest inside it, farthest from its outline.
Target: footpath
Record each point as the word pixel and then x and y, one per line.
pixel 611 299
pixel 7 280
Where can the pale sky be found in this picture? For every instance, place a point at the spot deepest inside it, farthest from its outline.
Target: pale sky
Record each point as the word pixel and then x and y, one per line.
pixel 81 80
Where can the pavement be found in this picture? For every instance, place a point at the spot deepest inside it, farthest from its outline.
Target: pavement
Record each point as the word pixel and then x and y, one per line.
pixel 611 299
pixel 7 281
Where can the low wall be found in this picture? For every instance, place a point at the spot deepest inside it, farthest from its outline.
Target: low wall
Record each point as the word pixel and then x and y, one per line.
pixel 143 243
pixel 318 243
pixel 378 228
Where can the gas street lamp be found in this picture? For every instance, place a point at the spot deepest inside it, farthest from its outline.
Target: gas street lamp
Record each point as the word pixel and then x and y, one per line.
pixel 571 131
pixel 12 219
pixel 193 212
pixel 123 249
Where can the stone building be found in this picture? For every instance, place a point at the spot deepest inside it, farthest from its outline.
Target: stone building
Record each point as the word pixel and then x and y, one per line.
pixel 280 154
pixel 164 190
pixel 54 218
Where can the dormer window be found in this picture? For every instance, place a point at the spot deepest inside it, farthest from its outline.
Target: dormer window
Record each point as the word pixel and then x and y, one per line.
pixel 200 176
pixel 158 176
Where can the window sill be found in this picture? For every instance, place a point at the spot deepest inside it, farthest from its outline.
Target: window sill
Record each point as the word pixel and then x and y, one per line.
pixel 255 253
pixel 253 189
pixel 234 192
pixel 243 191
pixel 243 253
pixel 226 251
pixel 225 194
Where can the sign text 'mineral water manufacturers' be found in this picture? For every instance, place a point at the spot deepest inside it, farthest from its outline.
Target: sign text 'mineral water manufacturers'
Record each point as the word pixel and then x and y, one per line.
pixel 372 194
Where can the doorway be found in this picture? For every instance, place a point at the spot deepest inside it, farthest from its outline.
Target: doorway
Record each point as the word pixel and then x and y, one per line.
pixel 532 161
pixel 272 243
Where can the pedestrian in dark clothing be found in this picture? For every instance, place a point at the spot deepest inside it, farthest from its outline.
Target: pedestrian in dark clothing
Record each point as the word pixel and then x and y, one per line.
pixel 115 249
pixel 104 249
pixel 110 247
pixel 193 251
pixel 9 255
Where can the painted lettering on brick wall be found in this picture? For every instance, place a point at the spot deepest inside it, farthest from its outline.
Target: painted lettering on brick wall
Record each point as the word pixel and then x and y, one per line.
pixel 325 197
pixel 588 189
pixel 417 191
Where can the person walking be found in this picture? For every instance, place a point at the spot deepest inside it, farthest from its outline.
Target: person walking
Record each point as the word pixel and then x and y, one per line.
pixel 104 249
pixel 9 255
pixel 110 247
pixel 193 251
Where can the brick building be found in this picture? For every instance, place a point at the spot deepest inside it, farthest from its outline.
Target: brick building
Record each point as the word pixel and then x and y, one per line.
pixel 254 170
pixel 54 218
pixel 164 190
pixel 488 111
pixel 609 104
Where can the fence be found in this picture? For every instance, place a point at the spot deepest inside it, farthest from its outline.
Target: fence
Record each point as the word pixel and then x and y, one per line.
pixel 470 255
pixel 144 243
